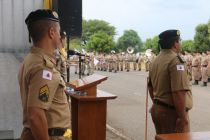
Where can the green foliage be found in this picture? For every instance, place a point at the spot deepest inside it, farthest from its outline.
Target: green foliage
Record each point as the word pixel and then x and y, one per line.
pixel 90 27
pixel 75 44
pixel 129 38
pixel 201 38
pixel 188 45
pixel 100 42
pixel 152 43
pixel 98 35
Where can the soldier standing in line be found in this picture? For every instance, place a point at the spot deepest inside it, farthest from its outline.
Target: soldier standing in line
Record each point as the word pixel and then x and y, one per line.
pixel 140 61
pixel 134 61
pixel 91 64
pixel 208 67
pixel 46 112
pixel 196 71
pixel 204 64
pixel 118 61
pixel 114 62
pixel 109 58
pixel 121 59
pixel 100 63
pixel 188 59
pixel 169 87
pixel 106 64
pixel 61 57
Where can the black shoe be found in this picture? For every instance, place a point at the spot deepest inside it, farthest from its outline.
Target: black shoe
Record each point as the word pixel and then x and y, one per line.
pixel 195 82
pixel 208 79
pixel 204 84
pixel 75 72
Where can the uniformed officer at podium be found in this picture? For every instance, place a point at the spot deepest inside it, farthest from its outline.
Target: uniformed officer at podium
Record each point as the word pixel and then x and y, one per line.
pixel 46 113
pixel 169 87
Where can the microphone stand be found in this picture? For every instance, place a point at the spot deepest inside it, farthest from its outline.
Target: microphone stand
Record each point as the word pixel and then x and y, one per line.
pixel 80 67
pixel 68 68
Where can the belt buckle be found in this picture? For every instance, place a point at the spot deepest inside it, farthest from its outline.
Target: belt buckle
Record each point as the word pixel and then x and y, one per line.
pixel 67 133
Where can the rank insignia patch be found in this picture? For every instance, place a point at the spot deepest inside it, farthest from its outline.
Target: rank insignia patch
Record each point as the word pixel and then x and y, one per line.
pixel 44 93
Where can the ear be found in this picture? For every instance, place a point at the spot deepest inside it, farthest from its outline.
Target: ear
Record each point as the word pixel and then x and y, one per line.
pixel 51 32
pixel 176 44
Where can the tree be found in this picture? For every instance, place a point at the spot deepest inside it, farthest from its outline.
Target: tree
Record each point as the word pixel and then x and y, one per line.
pixel 129 38
pixel 100 42
pixel 201 38
pixel 152 43
pixel 90 27
pixel 188 45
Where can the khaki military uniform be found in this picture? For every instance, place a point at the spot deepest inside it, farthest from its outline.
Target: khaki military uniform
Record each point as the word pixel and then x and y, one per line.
pixel 90 65
pixel 61 65
pixel 208 68
pixel 121 59
pixel 140 61
pixel 196 71
pixel 134 61
pixel 42 86
pixel 128 60
pixel 167 75
pixel 114 62
pixel 188 59
pixel 204 64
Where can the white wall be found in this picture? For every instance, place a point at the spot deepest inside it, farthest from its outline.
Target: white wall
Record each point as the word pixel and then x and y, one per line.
pixel 13 30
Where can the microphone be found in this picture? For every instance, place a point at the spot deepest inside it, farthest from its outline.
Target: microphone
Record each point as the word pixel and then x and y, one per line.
pixel 72 52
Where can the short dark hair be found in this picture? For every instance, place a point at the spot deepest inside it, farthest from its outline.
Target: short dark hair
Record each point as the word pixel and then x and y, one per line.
pixel 38 29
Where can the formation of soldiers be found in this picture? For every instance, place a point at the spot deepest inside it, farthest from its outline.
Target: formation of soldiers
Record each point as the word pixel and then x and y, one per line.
pixel 198 64
pixel 198 67
pixel 123 62
pixel 111 62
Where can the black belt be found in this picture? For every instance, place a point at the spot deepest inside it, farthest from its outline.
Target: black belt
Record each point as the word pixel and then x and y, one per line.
pixel 204 65
pixel 158 102
pixel 56 131
pixel 194 66
pixel 53 131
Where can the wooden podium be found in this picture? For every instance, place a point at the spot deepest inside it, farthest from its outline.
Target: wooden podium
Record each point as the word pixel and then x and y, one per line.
pixel 184 136
pixel 89 111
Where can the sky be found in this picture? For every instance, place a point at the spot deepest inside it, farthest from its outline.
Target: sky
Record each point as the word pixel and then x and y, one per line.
pixel 150 17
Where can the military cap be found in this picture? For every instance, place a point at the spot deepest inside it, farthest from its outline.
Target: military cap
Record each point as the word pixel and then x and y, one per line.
pixel 41 14
pixel 169 34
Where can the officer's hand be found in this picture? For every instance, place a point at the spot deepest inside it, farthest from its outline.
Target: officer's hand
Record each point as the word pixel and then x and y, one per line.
pixel 181 125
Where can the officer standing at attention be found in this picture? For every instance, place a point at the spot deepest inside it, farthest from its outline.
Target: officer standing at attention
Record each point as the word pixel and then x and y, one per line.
pixel 61 57
pixel 169 87
pixel 46 113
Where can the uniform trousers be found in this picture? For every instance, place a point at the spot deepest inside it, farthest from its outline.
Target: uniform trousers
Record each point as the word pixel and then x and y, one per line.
pixel 165 119
pixel 204 73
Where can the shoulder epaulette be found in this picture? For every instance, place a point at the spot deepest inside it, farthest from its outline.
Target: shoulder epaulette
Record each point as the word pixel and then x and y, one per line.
pixel 180 59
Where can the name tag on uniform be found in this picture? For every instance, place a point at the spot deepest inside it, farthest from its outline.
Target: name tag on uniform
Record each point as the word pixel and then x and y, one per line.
pixel 180 67
pixel 47 75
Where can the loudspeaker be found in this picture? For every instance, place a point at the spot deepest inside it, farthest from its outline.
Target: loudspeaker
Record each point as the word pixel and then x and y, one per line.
pixel 70 15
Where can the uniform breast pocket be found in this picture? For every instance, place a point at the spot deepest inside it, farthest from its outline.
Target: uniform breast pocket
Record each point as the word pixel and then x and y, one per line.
pixel 60 94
